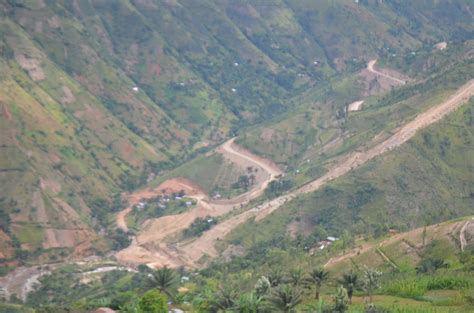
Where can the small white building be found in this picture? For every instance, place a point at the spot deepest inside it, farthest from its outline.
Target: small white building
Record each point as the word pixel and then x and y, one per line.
pixel 135 89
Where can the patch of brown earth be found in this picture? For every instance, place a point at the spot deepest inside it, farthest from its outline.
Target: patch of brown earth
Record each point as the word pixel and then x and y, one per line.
pixel 93 86
pixel 32 66
pixel 50 185
pixel 6 250
pixel 90 114
pixel 127 151
pixel 232 251
pixel 54 22
pixel 131 58
pixel 38 206
pixel 68 210
pixel 54 157
pixel 6 112
pixel 466 234
pixel 180 183
pixel 267 134
pixel 39 27
pixel 296 228
pixel 65 238
pixel 67 97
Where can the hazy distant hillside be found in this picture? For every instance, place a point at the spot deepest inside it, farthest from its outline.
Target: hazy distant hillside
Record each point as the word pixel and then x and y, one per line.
pixel 97 97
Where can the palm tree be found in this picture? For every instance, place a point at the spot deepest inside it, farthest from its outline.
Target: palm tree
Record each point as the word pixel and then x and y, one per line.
pixel 165 280
pixel 224 298
pixel 349 281
pixel 296 277
pixel 317 277
pixel 284 298
pixel 275 278
pixel 248 303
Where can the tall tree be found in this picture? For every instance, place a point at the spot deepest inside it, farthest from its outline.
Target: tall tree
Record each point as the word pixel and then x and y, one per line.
pixel 349 281
pixel 165 280
pixel 296 277
pixel 317 277
pixel 225 298
pixel 275 278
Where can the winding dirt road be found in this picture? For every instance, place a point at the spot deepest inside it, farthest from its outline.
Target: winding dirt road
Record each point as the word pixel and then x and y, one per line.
pixel 149 246
pixel 370 67
pixel 228 149
pixel 192 251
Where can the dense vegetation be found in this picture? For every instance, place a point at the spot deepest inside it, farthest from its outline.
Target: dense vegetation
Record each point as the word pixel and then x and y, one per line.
pixel 284 279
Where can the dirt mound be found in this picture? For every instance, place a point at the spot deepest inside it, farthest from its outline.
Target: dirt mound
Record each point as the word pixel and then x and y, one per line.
pixel 181 184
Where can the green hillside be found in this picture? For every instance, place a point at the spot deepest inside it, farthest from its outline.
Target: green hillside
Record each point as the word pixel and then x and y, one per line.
pixel 425 181
pixel 101 97
pixel 103 100
pixel 409 282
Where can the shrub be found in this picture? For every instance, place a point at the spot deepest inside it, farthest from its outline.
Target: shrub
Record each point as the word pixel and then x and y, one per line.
pixel 153 301
pixel 199 226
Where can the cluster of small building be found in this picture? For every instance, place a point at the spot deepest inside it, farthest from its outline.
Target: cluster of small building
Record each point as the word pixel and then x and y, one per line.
pixel 162 201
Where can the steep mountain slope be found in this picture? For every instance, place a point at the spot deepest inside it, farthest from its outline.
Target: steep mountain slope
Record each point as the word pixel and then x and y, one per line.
pixel 425 181
pixel 98 97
